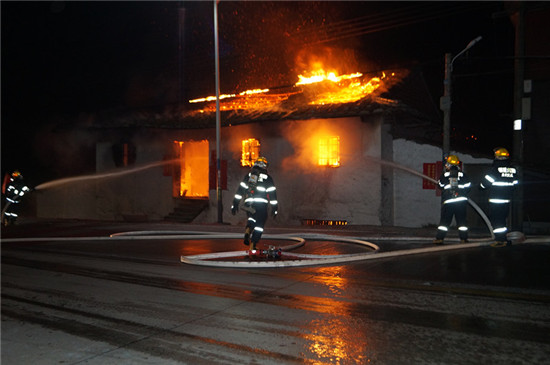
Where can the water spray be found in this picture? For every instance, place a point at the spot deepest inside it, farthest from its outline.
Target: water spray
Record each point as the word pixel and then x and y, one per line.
pixel 69 180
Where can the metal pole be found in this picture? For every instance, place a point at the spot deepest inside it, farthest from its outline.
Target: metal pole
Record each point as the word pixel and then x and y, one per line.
pixel 445 105
pixel 446 100
pixel 218 123
pixel 181 28
pixel 519 75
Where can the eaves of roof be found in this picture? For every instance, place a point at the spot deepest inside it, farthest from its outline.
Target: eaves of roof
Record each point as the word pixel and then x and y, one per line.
pixel 199 120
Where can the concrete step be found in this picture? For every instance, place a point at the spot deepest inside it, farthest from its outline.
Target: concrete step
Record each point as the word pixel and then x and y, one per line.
pixel 187 209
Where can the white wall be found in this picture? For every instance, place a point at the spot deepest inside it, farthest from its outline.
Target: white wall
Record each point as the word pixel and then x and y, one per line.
pixel 305 190
pixel 70 201
pixel 414 206
pixel 145 193
pixel 351 192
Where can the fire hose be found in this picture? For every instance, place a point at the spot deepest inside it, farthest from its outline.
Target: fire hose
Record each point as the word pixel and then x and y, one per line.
pixel 295 259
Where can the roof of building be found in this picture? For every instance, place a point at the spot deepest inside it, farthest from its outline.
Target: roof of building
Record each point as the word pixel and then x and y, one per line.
pixel 408 98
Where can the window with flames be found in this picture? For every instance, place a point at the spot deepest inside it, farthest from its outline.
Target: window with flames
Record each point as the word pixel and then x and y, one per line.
pixel 250 151
pixel 329 151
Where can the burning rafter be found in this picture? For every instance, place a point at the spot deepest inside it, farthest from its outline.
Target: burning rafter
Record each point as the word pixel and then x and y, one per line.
pixel 318 87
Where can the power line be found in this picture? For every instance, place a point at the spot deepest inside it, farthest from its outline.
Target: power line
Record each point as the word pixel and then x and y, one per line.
pixel 387 20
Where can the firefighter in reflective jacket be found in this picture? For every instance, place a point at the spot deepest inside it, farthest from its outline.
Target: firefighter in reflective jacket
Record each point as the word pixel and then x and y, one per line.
pixel 455 187
pixel 500 182
pixel 14 189
pixel 255 192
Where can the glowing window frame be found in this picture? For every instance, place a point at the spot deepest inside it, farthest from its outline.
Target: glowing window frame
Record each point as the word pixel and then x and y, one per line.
pixel 329 151
pixel 250 151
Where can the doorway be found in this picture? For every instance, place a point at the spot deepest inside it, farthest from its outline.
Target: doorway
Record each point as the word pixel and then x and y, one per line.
pixel 191 171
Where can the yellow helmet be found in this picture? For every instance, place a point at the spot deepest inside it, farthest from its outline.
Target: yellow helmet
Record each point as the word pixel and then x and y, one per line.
pixel 453 160
pixel 501 153
pixel 16 174
pixel 261 162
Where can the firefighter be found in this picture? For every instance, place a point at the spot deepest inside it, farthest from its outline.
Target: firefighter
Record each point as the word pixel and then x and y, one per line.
pixel 455 187
pixel 14 189
pixel 500 182
pixel 255 192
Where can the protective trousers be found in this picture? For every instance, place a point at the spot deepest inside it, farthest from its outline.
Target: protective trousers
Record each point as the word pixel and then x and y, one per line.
pixel 11 213
pixel 499 213
pixel 458 210
pixel 256 222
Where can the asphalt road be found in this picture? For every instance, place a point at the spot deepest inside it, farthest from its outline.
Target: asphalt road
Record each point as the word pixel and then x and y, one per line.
pixel 82 298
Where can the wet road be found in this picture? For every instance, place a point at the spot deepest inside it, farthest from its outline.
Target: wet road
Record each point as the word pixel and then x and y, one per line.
pixel 129 301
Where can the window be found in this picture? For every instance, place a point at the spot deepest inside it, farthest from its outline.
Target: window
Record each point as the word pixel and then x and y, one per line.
pixel 124 154
pixel 250 151
pixel 329 151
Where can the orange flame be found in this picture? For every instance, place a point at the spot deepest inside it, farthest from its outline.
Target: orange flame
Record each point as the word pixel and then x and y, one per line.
pixel 318 85
pixel 225 96
pixel 334 89
pixel 322 75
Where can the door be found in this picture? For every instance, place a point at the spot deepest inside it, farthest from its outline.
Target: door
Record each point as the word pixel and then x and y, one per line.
pixel 191 172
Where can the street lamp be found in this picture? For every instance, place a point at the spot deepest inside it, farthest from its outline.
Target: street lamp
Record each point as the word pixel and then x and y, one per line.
pixel 218 118
pixel 446 101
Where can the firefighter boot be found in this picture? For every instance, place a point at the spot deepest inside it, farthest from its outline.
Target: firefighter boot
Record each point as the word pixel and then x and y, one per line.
pixel 252 252
pixel 247 236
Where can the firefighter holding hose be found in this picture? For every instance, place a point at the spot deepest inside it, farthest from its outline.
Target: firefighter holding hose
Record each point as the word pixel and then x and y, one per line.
pixel 13 188
pixel 500 181
pixel 255 192
pixel 455 186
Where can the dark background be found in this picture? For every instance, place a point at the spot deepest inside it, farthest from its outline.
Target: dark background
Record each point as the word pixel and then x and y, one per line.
pixel 61 60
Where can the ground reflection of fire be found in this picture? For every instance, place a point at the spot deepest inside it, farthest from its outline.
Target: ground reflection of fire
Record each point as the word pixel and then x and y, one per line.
pixel 318 87
pixel 335 339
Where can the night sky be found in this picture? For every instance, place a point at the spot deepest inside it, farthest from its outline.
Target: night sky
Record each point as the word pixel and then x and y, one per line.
pixel 67 58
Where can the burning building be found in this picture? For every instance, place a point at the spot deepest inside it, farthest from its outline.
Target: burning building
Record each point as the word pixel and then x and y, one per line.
pixel 335 145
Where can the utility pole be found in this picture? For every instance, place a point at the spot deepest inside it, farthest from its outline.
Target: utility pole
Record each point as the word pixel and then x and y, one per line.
pixel 519 75
pixel 446 101
pixel 181 35
pixel 218 118
pixel 445 105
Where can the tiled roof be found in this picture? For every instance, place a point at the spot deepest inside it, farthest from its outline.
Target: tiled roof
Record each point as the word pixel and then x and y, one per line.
pixel 294 107
pixel 197 120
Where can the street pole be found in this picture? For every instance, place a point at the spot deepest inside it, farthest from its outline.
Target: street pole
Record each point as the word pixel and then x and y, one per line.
pixel 445 105
pixel 181 28
pixel 218 122
pixel 519 76
pixel 446 100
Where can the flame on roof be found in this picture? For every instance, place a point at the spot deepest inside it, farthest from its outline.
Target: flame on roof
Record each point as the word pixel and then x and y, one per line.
pixel 318 87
